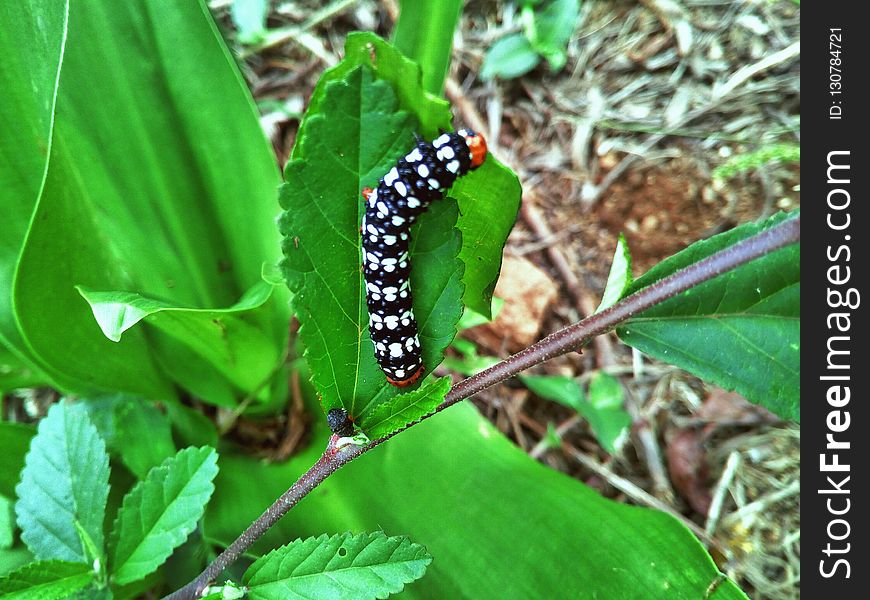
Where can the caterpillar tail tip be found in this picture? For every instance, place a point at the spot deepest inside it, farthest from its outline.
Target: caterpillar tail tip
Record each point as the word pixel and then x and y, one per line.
pixel 410 380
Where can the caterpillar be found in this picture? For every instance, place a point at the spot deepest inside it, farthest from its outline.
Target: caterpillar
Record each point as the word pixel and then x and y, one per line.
pixel 402 195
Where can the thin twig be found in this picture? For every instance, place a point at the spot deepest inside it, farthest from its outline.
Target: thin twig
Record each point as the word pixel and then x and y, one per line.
pixel 556 344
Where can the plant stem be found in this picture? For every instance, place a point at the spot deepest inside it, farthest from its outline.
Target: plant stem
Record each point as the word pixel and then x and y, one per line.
pixel 561 342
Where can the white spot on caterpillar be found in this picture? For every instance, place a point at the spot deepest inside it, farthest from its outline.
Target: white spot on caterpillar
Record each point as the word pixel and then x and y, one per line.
pixel 441 140
pixel 371 229
pixel 390 290
pixel 391 177
pixel 389 240
pixel 400 374
pixel 397 220
pixel 373 287
pixel 403 294
pixel 447 152
pixel 453 166
pixel 376 297
pixel 391 322
pixel 433 183
pixel 413 202
pixel 423 171
pixel 414 156
pixel 382 208
pixel 403 264
pixel 403 236
pixel 372 257
pixel 400 187
pixel 381 346
pixel 395 349
pixel 373 238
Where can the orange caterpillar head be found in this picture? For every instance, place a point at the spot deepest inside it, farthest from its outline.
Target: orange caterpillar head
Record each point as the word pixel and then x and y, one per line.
pixel 476 144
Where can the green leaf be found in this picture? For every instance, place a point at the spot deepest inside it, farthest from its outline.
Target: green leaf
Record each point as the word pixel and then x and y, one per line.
pixel 356 135
pixel 603 409
pixel 224 338
pixel 489 200
pixel 606 414
pixel 472 318
pixel 619 277
pixel 341 567
pixel 553 28
pixel 47 580
pixel 511 56
pixel 740 330
pixel 7 523
pixel 249 16
pixel 32 45
pixel 424 33
pixel 478 494
pixel 159 513
pixel 177 204
pixel 14 442
pixel 121 420
pixel 65 482
pixel 471 363
pixel 406 408
pixel 364 48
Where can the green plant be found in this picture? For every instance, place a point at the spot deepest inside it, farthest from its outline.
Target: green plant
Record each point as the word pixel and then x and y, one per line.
pixel 156 198
pixel 547 28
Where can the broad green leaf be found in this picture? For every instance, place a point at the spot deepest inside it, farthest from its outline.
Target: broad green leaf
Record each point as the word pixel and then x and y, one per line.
pixel 740 330
pixel 353 138
pixel 249 16
pixel 364 48
pixel 509 57
pixel 7 522
pixel 65 483
pixel 159 182
pixel 455 485
pixel 406 408
pixel 121 421
pixel 472 318
pixel 47 580
pixel 424 33
pixel 32 48
pixel 341 567
pixel 602 409
pixel 224 338
pixel 489 200
pixel 14 442
pixel 619 277
pixel 159 513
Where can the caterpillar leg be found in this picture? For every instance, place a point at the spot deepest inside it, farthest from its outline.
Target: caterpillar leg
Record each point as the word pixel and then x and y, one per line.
pixel 410 380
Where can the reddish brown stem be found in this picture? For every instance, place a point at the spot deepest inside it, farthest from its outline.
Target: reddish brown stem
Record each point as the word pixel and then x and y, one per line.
pixel 561 342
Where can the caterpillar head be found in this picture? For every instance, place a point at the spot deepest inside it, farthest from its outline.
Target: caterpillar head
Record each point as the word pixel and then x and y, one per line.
pixel 476 144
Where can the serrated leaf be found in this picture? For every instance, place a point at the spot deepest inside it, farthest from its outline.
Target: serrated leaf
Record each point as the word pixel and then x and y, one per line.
pixel 619 277
pixel 740 330
pixel 406 408
pixel 365 48
pixel 159 513
pixel 47 580
pixel 65 481
pixel 341 567
pixel 511 56
pixel 356 135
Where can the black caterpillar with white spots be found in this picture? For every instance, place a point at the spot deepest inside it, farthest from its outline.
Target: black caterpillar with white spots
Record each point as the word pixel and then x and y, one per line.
pixel 403 194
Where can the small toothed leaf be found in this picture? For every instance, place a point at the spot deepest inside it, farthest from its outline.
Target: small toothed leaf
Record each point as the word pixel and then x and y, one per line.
pixel 49 580
pixel 65 481
pixel 341 567
pixel 159 513
pixel 406 408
